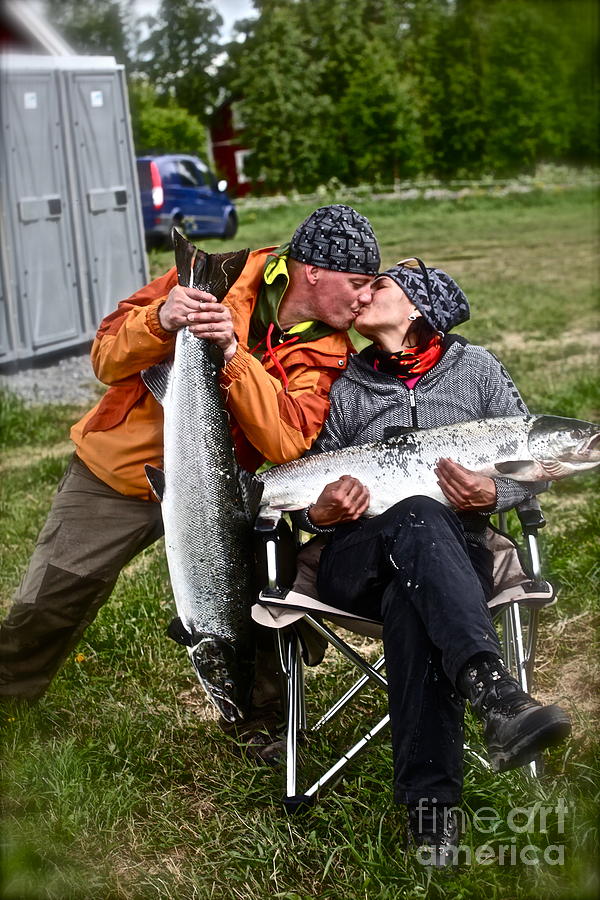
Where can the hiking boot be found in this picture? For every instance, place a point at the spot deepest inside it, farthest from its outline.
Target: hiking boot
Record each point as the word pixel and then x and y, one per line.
pixel 516 727
pixel 272 754
pixel 433 829
pixel 258 738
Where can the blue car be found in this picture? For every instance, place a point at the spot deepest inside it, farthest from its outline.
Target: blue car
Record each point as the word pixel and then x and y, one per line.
pixel 182 191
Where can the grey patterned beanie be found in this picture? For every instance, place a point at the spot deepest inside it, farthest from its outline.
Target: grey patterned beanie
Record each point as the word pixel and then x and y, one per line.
pixel 338 238
pixel 435 294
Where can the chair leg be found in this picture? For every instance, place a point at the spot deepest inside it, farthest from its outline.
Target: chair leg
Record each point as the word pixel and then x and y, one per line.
pixel 335 771
pixel 518 651
pixel 536 766
pixel 532 634
pixel 519 661
pixel 291 663
pixel 531 539
pixel 347 651
pixel 292 723
pixel 292 667
pixel 348 696
pixel 300 689
pixel 507 638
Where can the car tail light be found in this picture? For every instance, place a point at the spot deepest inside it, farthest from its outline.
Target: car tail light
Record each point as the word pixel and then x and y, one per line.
pixel 158 195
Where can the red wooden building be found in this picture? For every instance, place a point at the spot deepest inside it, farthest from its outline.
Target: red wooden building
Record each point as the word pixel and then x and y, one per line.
pixel 229 149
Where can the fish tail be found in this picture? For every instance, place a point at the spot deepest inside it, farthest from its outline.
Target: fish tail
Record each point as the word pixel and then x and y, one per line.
pixel 212 272
pixel 252 491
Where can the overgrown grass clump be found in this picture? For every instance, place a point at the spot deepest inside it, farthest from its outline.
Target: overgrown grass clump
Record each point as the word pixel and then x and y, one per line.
pixel 119 783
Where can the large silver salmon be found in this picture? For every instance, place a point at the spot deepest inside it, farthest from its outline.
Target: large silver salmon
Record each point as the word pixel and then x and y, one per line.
pixel 206 521
pixel 528 448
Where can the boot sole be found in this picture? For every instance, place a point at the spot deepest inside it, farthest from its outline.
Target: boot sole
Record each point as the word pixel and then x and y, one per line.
pixel 528 746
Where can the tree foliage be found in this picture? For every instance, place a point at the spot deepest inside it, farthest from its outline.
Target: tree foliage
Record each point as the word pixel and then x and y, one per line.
pixel 98 27
pixel 179 52
pixel 160 128
pixel 374 90
pixel 361 90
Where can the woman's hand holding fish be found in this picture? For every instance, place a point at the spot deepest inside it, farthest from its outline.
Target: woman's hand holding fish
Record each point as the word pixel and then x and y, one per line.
pixel 464 489
pixel 341 501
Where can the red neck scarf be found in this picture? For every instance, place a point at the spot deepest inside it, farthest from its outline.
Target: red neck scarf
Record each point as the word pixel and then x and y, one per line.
pixel 408 362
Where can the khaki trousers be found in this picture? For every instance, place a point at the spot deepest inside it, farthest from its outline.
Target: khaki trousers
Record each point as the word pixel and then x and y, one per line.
pixel 91 533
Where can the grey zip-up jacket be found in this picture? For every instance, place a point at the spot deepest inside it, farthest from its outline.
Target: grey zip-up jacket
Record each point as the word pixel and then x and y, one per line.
pixel 467 383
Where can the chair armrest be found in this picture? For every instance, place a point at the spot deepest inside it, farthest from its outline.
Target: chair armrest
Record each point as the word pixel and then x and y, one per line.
pixel 265 525
pixel 274 553
pixel 531 516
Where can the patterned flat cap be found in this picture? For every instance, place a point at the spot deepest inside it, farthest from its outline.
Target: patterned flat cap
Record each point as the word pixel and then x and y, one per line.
pixel 338 238
pixel 435 294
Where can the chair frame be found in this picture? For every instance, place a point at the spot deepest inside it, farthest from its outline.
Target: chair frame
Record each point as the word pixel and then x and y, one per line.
pixel 519 642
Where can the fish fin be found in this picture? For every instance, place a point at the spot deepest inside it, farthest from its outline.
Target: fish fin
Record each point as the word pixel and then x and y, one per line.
pixel 397 431
pixel 187 257
pixel 156 480
pixel 288 507
pixel 520 469
pixel 252 491
pixel 177 631
pixel 554 470
pixel 157 379
pixel 223 270
pixel 212 272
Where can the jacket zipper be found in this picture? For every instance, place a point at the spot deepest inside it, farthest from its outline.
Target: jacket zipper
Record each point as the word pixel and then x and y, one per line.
pixel 413 408
pixel 411 394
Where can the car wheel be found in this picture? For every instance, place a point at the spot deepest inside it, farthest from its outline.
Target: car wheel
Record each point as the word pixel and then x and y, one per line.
pixel 231 225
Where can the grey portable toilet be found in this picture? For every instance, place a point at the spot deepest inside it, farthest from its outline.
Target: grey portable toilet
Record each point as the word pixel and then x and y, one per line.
pixel 106 184
pixel 70 219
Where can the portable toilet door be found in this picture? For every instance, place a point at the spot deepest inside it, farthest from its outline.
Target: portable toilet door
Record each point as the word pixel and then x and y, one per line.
pixel 40 272
pixel 107 184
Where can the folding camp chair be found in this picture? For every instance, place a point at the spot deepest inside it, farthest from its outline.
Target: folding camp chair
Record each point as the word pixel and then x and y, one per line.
pixel 289 604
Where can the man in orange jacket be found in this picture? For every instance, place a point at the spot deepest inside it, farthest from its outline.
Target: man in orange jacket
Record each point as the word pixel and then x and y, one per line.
pixel 282 328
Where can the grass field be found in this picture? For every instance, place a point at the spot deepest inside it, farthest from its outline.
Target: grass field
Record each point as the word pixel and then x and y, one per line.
pixel 119 784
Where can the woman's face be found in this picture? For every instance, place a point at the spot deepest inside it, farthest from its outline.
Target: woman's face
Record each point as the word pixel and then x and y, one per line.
pixel 387 312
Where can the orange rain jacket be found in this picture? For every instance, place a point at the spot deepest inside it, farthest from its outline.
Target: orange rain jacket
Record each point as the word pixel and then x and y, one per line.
pixel 124 430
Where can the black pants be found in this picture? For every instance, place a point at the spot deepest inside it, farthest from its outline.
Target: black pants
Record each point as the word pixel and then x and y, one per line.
pixel 413 568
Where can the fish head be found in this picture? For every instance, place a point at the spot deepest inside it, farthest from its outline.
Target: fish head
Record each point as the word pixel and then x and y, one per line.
pixel 564 446
pixel 226 674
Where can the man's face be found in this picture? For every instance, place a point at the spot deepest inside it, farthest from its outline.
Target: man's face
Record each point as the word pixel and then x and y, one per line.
pixel 339 296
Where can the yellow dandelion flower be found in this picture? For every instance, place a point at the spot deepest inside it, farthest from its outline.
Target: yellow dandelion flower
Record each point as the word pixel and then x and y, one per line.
pixel 80 657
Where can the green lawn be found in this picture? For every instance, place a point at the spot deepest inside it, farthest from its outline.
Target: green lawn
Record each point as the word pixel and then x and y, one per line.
pixel 119 784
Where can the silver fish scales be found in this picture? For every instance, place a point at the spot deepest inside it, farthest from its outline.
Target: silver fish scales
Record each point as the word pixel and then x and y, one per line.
pixel 207 525
pixel 528 448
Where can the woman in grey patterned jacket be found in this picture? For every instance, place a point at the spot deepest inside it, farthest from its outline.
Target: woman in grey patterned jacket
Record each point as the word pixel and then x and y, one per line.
pixel 421 567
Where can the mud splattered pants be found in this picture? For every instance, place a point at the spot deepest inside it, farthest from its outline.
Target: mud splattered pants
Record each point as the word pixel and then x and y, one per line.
pixel 414 568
